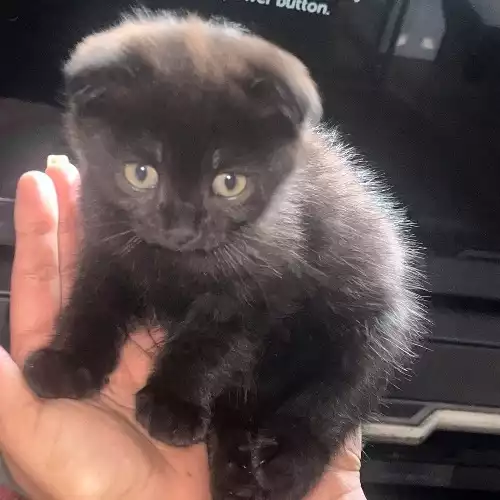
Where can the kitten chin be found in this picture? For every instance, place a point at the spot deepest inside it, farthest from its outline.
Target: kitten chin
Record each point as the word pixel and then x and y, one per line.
pixel 287 323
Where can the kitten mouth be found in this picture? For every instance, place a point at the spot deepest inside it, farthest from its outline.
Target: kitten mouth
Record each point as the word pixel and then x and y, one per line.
pixel 197 246
pixel 200 250
pixel 180 242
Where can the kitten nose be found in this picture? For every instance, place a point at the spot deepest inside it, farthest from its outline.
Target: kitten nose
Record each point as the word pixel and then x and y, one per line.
pixel 181 237
pixel 181 227
pixel 181 217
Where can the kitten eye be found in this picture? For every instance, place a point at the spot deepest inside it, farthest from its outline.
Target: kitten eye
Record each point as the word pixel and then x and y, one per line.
pixel 140 176
pixel 229 185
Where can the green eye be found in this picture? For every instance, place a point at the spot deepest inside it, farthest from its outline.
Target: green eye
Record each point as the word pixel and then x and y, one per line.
pixel 140 176
pixel 229 185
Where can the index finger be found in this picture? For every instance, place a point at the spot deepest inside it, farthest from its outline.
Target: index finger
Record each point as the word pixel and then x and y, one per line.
pixel 35 284
pixel 66 180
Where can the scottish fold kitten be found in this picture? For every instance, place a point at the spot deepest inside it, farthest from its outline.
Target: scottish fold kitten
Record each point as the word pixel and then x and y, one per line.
pixel 215 206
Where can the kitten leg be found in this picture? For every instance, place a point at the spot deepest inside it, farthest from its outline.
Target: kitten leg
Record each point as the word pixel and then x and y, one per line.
pixel 204 357
pixel 288 448
pixel 88 336
pixel 291 447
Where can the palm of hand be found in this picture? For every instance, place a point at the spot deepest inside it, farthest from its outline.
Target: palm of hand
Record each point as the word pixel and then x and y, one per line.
pixel 94 449
pixel 63 449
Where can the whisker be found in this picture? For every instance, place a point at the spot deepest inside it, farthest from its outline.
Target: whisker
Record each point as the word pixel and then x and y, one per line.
pixel 257 256
pixel 129 246
pixel 231 261
pixel 117 235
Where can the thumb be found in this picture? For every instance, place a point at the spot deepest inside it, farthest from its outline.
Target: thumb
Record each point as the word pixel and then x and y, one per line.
pixel 19 408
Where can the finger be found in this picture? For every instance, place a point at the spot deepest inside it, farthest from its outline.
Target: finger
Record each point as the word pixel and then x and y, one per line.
pixel 338 485
pixel 20 414
pixel 22 481
pixel 7 494
pixel 35 284
pixel 66 180
pixel 349 459
pixel 135 365
pixel 342 480
pixel 19 409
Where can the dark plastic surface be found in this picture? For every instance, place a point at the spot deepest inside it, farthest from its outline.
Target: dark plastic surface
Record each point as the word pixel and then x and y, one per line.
pixel 29 132
pixel 402 410
pixel 457 374
pixel 6 223
pixel 466 278
pixel 465 327
pixel 6 259
pixel 4 326
pixel 454 460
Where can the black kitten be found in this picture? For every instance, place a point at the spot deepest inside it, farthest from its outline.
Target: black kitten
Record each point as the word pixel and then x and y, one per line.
pixel 215 209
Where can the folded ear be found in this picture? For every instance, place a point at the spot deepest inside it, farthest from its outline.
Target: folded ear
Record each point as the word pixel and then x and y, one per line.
pixel 96 67
pixel 83 94
pixel 290 94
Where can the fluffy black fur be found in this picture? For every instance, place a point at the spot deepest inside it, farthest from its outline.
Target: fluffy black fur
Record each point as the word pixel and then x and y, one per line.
pixel 286 308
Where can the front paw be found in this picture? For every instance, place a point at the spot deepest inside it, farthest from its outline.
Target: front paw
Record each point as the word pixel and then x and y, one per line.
pixel 52 373
pixel 170 419
pixel 293 471
pixel 236 463
pixel 264 467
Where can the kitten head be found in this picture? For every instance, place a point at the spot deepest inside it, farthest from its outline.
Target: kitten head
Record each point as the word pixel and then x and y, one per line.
pixel 186 128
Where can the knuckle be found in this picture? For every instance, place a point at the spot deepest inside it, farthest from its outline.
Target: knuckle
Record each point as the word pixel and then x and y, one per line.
pixel 67 271
pixel 36 227
pixel 66 226
pixel 39 272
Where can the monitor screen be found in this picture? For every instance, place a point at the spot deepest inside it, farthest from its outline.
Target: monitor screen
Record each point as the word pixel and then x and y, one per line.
pixel 413 85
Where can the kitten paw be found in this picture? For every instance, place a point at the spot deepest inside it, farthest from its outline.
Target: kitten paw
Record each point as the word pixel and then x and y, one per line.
pixel 266 468
pixel 237 482
pixel 170 419
pixel 236 467
pixel 293 470
pixel 52 373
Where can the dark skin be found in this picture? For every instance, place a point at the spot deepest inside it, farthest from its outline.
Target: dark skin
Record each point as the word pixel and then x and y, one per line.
pixel 47 444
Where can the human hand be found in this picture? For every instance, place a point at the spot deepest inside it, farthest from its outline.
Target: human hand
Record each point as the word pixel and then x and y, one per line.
pixel 62 449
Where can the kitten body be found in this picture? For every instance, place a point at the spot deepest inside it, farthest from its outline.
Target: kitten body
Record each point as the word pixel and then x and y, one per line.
pixel 286 307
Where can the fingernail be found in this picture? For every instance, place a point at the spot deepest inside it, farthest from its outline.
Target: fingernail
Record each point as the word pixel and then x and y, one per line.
pixel 57 160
